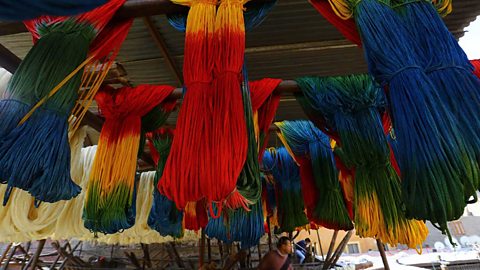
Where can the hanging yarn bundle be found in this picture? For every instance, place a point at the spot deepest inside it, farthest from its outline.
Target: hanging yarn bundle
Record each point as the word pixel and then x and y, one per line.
pixel 249 185
pixel 35 155
pixel 264 105
pixel 352 105
pixel 27 9
pixel 320 186
pixel 191 164
pixel 164 216
pixel 108 206
pixel 229 139
pixel 431 151
pixel 290 206
pixel 238 225
pixel 346 26
pixel 450 71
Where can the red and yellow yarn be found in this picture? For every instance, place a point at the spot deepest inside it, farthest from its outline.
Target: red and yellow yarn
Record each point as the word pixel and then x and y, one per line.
pixel 111 183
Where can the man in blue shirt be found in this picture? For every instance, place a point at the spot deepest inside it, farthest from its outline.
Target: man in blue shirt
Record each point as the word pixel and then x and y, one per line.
pixel 302 249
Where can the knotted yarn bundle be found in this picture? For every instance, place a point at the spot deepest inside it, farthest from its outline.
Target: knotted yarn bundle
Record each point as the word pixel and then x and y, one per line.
pixel 431 152
pixel 264 105
pixel 450 71
pixel 164 216
pixel 290 205
pixel 319 176
pixel 238 225
pixel 353 104
pixel 39 99
pixel 110 194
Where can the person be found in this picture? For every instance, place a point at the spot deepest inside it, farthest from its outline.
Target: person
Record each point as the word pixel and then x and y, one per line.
pixel 278 259
pixel 302 248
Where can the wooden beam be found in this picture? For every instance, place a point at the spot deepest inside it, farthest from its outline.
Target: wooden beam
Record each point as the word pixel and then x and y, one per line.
pixel 131 9
pixel 9 60
pixel 162 46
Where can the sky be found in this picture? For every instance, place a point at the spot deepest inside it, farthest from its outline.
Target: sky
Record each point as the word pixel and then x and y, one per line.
pixel 470 42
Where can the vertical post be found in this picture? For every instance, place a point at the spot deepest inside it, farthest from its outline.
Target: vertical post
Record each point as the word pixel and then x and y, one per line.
pixel 202 249
pixel 381 249
pixel 320 244
pixel 220 250
pixel 259 252
pixel 269 234
pixel 330 250
pixel 41 244
pixel 209 250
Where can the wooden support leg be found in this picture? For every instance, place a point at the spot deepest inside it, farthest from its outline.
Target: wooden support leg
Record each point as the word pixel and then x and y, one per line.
pixel 341 247
pixel 381 249
pixel 320 244
pixel 259 252
pixel 201 258
pixel 15 246
pixel 5 252
pixel 269 234
pixel 178 259
pixel 330 249
pixel 209 251
pixel 220 250
pixel 26 253
pixel 41 244
pixel 146 256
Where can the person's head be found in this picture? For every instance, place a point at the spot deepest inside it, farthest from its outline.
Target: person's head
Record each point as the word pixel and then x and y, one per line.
pixel 284 245
pixel 307 241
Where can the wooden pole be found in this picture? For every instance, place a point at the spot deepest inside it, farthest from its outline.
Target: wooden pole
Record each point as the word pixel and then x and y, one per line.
pixel 10 257
pixel 259 252
pixel 269 234
pixel 8 60
pixel 201 258
pixel 24 260
pixel 330 250
pixel 220 250
pixel 209 250
pixel 5 252
pixel 338 253
pixel 381 249
pixel 41 244
pixel 178 259
pixel 320 244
